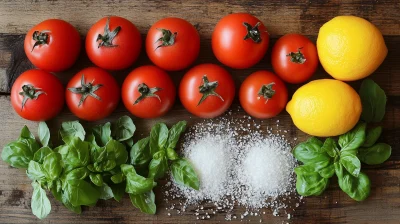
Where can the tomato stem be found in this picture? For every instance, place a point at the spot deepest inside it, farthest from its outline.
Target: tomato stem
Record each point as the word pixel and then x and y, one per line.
pixel 86 89
pixel 40 37
pixel 266 91
pixel 208 89
pixel 167 39
pixel 146 92
pixel 297 57
pixel 108 36
pixel 30 92
pixel 253 32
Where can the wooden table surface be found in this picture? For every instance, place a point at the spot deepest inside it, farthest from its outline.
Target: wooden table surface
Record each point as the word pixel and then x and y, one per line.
pixel 280 17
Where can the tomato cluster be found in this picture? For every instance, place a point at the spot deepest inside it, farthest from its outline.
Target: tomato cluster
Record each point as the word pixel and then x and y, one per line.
pixel 239 41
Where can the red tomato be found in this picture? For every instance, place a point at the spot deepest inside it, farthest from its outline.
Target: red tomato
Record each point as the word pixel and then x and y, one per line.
pixel 263 95
pixel 240 40
pixel 52 45
pixel 207 90
pixel 148 92
pixel 294 58
pixel 92 94
pixel 113 43
pixel 37 95
pixel 173 44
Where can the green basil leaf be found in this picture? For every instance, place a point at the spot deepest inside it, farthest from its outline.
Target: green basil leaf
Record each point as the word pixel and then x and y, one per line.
pixel 19 153
pixel 351 163
pixel 171 154
pixel 118 190
pixel 35 171
pixel 40 204
pixel 102 133
pixel 358 188
pixel 77 174
pixel 123 129
pixel 354 138
pixel 56 191
pixel 75 154
pixel 330 147
pixel 376 154
pixel 97 180
pixel 107 165
pixel 52 164
pixel 373 135
pixel 184 174
pixel 98 154
pixel 175 133
pixel 158 138
pixel 71 129
pixel 327 172
pixel 145 202
pixel 310 151
pixel 136 184
pixel 117 178
pixel 81 192
pixel 116 151
pixel 67 203
pixel 105 192
pixel 373 100
pixel 41 153
pixel 127 169
pixel 140 152
pixel 44 133
pixel 308 184
pixel 26 134
pixel 129 143
pixel 315 167
pixel 158 165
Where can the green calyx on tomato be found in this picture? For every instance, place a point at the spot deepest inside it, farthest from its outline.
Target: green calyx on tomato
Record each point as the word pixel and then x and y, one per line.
pixel 297 57
pixel 167 39
pixel 145 92
pixel 108 36
pixel 30 92
pixel 208 89
pixel 86 90
pixel 266 91
pixel 252 32
pixel 41 37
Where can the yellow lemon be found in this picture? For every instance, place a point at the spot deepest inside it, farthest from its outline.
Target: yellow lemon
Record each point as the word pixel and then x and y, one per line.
pixel 350 48
pixel 325 107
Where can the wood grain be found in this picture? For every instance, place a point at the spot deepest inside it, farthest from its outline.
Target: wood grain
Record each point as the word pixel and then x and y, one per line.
pixel 281 17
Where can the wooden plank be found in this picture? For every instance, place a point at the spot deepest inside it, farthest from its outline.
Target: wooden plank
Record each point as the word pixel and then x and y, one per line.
pixel 279 16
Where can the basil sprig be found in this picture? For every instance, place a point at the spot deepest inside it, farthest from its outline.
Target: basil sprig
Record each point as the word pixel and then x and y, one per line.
pixel 92 165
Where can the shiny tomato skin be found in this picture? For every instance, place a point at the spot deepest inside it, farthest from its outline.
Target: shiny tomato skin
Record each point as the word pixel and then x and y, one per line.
pixel 182 53
pixel 286 69
pixel 149 107
pixel 228 42
pixel 62 48
pixel 259 107
pixel 47 105
pixel 93 109
pixel 212 106
pixel 127 44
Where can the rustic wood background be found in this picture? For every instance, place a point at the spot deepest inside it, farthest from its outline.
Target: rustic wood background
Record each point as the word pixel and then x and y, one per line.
pixel 280 17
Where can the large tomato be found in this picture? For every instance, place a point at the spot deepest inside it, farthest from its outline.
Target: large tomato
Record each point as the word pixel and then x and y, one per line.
pixel 207 90
pixel 92 94
pixel 37 95
pixel 294 58
pixel 148 92
pixel 113 43
pixel 52 45
pixel 240 40
pixel 263 95
pixel 173 44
